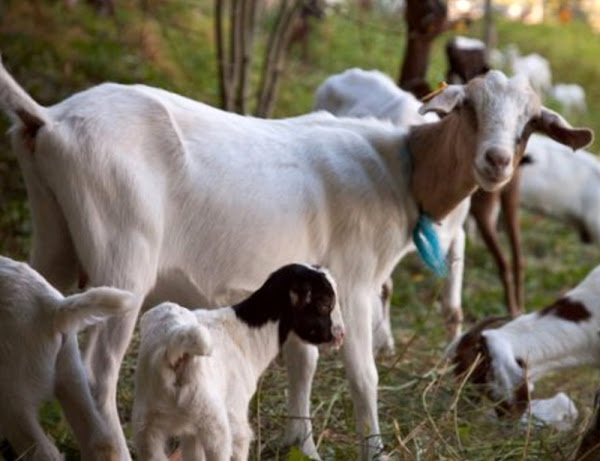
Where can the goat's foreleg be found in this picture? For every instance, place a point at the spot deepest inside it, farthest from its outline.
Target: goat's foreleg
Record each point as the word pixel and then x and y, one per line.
pixel 301 362
pixel 482 210
pixel 361 370
pixel 509 199
pixel 451 296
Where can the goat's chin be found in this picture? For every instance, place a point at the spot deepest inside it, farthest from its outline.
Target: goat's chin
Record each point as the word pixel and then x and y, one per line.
pixel 490 183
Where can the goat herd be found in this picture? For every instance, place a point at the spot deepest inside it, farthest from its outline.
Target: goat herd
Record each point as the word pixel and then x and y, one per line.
pixel 154 198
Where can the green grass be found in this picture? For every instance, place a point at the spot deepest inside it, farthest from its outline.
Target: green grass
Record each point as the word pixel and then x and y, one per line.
pixel 54 52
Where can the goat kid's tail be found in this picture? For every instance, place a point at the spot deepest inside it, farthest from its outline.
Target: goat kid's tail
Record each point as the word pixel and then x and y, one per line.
pixel 188 340
pixel 19 105
pixel 95 305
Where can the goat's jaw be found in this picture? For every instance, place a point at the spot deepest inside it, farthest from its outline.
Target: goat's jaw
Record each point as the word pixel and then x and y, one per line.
pixel 490 180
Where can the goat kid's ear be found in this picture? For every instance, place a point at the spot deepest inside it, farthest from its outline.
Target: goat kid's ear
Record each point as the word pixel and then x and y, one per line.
pixel 186 341
pixel 95 305
pixel 553 125
pixel 444 102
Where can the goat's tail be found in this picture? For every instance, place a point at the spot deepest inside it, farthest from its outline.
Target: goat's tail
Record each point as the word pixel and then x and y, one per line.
pixel 19 105
pixel 94 305
pixel 189 340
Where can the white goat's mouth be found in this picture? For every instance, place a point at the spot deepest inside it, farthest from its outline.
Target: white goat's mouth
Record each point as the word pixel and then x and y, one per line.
pixel 491 180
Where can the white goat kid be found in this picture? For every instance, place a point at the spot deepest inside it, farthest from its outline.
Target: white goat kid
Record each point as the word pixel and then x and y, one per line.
pixel 204 400
pixel 198 205
pixel 40 358
pixel 548 164
pixel 359 93
pixel 515 355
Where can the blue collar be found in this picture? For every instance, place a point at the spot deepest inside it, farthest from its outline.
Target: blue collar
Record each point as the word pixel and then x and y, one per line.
pixel 424 234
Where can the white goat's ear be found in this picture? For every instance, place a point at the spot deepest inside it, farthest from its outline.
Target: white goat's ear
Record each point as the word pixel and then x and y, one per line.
pixel 78 311
pixel 553 125
pixel 186 341
pixel 444 102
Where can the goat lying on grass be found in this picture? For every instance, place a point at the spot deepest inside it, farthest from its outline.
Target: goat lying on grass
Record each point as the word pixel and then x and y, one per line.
pixel 135 187
pixel 40 358
pixel 513 356
pixel 197 370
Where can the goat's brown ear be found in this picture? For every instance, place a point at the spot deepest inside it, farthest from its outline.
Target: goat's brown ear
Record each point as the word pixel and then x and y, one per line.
pixel 444 102
pixel 553 125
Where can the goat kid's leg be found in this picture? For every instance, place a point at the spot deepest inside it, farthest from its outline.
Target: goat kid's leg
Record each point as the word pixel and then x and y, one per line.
pixel 301 362
pixel 241 435
pixel 451 296
pixel 191 449
pixel 214 437
pixel 26 435
pixel 74 395
pixel 362 372
pixel 509 199
pixel 150 442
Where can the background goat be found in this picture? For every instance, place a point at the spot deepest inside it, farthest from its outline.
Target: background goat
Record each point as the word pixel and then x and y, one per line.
pixel 513 356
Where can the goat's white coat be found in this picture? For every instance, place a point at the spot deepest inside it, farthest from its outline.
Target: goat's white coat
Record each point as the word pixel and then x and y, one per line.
pixel 562 184
pixel 39 358
pixel 167 193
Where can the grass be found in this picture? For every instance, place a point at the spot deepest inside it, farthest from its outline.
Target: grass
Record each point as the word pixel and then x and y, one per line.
pixel 425 414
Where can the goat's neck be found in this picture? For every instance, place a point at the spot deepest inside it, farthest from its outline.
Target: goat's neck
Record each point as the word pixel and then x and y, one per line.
pixel 257 344
pixel 442 164
pixel 546 343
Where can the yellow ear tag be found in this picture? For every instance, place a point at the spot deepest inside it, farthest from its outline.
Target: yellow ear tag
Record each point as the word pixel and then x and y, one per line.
pixel 441 87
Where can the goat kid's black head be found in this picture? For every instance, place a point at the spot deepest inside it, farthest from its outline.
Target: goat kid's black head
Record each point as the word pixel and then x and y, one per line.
pixel 502 114
pixel 303 299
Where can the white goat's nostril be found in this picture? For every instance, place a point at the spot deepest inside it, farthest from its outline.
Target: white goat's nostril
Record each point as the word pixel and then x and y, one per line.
pixel 497 158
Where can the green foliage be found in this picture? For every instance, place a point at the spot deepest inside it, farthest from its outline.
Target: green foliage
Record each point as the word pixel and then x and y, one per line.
pixel 54 51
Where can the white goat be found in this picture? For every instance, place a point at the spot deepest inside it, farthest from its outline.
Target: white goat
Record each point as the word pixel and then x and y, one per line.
pixel 570 96
pixel 515 355
pixel 533 66
pixel 39 358
pixel 204 400
pixel 149 191
pixel 578 203
pixel 359 93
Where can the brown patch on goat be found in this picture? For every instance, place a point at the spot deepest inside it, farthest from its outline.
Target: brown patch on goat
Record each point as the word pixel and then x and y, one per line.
pixel 472 345
pixel 567 309
pixel 31 126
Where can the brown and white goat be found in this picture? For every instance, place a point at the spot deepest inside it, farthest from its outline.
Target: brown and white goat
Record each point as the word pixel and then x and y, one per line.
pixel 506 360
pixel 466 60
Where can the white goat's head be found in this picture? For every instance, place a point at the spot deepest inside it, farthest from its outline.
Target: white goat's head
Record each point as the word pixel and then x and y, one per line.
pixel 504 112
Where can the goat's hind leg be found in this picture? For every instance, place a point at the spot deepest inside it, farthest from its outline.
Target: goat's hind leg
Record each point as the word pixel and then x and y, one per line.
pixel 26 435
pixel 130 271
